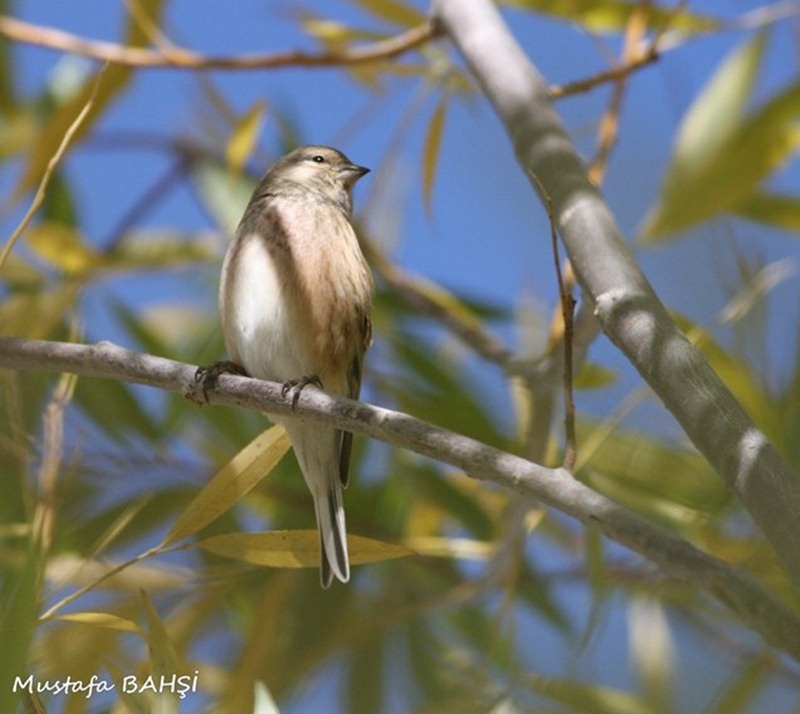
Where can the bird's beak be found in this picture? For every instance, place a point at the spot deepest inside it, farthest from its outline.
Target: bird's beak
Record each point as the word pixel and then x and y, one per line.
pixel 350 173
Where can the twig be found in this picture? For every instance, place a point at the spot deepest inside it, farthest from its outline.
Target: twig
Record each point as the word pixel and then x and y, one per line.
pixel 55 39
pixel 567 303
pixel 38 199
pixel 614 74
pixel 736 591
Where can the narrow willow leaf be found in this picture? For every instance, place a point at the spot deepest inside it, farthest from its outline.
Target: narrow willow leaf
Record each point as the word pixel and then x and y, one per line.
pixel 63 247
pixel 242 473
pixel 295 549
pixel 652 651
pixel 164 660
pixel 720 158
pixel 780 211
pixel 224 195
pixel 245 136
pixel 720 106
pixel 102 619
pixel 757 287
pixel 582 697
pixel 739 377
pixel 400 13
pixel 430 152
pixel 614 15
pixel 594 376
pixel 20 596
pixel 461 548
pixel 36 315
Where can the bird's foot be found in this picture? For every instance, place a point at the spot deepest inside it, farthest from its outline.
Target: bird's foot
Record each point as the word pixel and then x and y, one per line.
pixel 206 377
pixel 298 385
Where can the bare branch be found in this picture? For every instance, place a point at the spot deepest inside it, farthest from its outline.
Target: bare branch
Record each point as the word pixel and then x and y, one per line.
pixel 177 57
pixel 629 311
pixel 756 607
pixel 615 74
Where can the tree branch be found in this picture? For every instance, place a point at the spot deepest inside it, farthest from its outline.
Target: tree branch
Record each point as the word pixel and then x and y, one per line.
pixel 178 57
pixel 756 607
pixel 628 309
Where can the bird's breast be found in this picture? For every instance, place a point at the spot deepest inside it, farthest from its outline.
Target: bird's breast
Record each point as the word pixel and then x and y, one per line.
pixel 294 293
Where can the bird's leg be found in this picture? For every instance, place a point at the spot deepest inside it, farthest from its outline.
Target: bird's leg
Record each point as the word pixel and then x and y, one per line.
pixel 207 376
pixel 298 385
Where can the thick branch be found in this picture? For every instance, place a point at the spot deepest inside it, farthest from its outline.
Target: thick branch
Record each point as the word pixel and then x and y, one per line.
pixel 177 57
pixel 627 307
pixel 756 607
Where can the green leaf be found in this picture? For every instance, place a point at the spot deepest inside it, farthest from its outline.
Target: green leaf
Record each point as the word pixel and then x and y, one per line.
pixel 449 496
pixel 594 376
pixel 63 247
pixel 669 483
pixel 19 606
pixel 720 156
pixel 8 70
pixel 780 211
pixel 158 250
pixel 435 389
pixel 245 136
pixel 115 409
pixel 737 376
pixel 102 619
pixel 431 151
pixel 37 315
pixel 582 697
pixel 231 483
pixel 225 195
pixel 614 15
pixel 394 11
pixel 59 203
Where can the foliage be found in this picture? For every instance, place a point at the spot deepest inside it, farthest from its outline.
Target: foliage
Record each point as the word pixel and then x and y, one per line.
pixel 121 555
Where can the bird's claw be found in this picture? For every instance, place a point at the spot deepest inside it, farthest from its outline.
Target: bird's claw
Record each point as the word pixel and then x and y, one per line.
pixel 298 385
pixel 207 377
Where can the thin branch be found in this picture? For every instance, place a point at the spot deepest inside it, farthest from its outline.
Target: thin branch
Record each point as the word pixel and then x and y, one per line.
pixel 181 58
pixel 628 309
pixel 736 591
pixel 614 74
pixel 38 199
pixel 567 304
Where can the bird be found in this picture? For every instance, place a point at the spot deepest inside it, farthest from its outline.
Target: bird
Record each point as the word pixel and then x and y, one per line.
pixel 295 302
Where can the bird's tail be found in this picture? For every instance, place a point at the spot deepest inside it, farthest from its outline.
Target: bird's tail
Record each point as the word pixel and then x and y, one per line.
pixel 332 536
pixel 317 451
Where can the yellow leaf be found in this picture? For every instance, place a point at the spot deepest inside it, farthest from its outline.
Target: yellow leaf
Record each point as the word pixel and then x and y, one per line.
pixel 462 548
pixel 295 549
pixel 244 137
pixel 36 315
pixel 163 655
pixel 102 619
pixel 398 12
pixel 430 156
pixel 63 247
pixel 231 483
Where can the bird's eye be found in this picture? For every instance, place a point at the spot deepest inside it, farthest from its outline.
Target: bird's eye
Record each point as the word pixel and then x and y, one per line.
pixel 318 159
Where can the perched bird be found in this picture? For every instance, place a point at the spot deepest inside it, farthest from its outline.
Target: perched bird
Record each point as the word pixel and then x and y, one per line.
pixel 295 300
